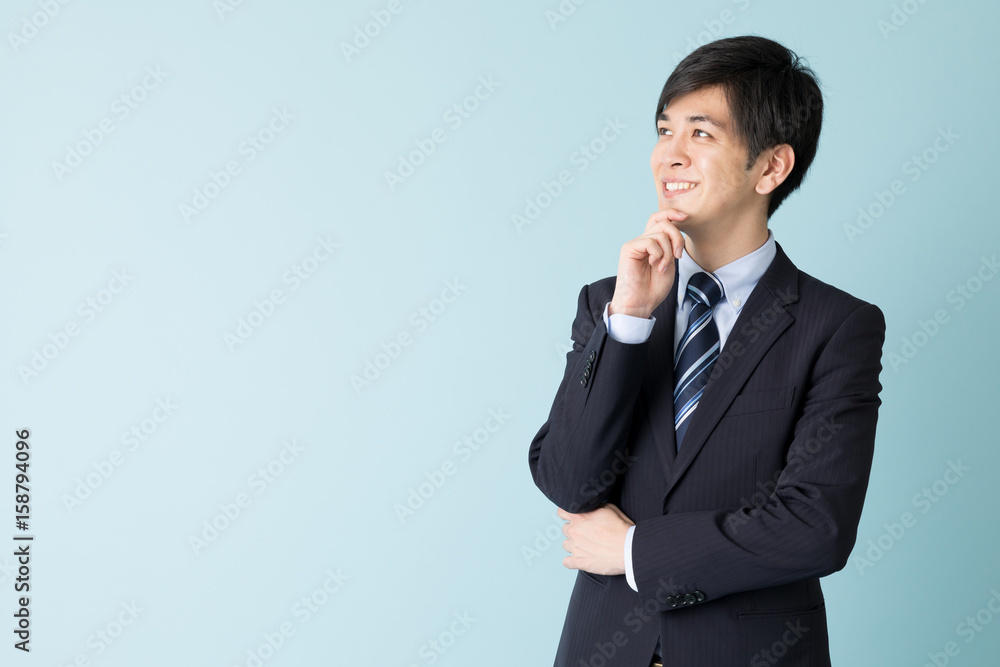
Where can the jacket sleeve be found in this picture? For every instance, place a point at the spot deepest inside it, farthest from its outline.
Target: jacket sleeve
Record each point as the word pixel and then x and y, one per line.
pixel 807 527
pixel 587 429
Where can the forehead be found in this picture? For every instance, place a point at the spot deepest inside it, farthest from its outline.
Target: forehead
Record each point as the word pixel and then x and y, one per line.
pixel 705 105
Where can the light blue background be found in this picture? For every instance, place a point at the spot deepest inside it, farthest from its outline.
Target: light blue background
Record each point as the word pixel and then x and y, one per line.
pixel 500 345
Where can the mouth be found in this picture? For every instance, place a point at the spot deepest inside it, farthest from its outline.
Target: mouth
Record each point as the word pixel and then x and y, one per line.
pixel 672 189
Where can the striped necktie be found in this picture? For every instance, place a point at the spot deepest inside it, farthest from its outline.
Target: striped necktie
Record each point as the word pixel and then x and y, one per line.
pixel 697 351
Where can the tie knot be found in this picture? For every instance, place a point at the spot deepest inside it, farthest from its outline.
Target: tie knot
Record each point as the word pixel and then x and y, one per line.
pixel 705 288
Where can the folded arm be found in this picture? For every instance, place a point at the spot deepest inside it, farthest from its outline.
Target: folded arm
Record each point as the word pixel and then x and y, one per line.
pixel 808 525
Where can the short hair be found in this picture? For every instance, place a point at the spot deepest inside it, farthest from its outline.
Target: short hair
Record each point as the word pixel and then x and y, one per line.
pixel 774 98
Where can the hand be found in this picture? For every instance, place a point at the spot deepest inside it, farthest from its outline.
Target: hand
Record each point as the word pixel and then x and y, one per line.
pixel 596 540
pixel 646 265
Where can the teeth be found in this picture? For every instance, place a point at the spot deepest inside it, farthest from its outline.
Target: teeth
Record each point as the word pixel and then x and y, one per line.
pixel 680 186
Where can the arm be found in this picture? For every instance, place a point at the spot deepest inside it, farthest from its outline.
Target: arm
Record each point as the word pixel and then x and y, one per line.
pixel 808 526
pixel 587 430
pixel 588 425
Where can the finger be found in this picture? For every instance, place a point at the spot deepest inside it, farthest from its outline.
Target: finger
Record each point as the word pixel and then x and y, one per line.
pixel 672 233
pixel 659 247
pixel 670 215
pixel 619 513
pixel 652 247
pixel 664 221
pixel 622 515
pixel 563 514
pixel 657 253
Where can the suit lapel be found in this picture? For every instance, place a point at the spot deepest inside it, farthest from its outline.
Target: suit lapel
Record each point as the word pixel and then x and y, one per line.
pixel 760 322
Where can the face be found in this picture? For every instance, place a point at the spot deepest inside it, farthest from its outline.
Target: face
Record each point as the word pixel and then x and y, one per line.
pixel 697 152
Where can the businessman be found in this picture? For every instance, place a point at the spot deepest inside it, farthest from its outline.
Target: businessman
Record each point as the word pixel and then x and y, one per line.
pixel 711 440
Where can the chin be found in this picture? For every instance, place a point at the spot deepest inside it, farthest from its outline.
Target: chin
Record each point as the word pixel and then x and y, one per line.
pixel 665 205
pixel 691 222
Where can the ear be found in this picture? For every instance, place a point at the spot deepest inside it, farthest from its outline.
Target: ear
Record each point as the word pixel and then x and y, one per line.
pixel 778 165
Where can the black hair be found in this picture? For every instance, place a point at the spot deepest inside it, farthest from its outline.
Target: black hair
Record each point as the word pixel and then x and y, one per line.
pixel 774 98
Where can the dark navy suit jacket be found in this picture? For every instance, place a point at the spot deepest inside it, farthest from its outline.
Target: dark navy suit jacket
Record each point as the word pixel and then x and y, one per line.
pixel 733 532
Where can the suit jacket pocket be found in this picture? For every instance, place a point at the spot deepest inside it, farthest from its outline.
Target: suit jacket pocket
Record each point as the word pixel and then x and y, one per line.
pixel 793 611
pixel 761 401
pixel 789 636
pixel 599 579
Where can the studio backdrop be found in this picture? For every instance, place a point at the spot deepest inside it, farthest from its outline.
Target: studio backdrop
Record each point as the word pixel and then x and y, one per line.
pixel 287 291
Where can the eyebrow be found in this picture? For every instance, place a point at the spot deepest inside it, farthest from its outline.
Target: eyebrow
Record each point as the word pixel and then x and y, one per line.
pixel 698 118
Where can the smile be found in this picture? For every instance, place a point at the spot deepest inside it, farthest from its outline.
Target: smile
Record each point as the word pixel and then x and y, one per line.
pixel 672 188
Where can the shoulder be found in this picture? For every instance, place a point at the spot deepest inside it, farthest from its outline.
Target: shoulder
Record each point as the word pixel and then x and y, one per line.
pixel 822 297
pixel 828 307
pixel 819 309
pixel 811 296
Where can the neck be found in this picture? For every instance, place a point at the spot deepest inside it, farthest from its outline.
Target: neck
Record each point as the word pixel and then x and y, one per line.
pixel 713 251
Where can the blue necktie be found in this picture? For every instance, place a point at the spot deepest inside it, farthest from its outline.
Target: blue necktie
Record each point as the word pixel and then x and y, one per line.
pixel 697 351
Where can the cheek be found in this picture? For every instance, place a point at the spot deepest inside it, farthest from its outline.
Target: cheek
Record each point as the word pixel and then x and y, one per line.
pixel 728 178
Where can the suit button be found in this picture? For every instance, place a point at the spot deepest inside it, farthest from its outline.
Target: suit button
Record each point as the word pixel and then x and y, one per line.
pixel 672 601
pixel 586 372
pixel 593 355
pixel 583 381
pixel 689 599
pixel 699 596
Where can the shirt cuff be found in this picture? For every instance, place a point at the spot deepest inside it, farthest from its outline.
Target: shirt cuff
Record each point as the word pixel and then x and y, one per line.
pixel 627 328
pixel 629 574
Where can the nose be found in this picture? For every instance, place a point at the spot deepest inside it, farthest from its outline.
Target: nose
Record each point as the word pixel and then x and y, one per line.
pixel 671 152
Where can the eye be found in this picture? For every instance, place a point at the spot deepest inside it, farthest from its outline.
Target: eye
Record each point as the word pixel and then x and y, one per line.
pixel 704 132
pixel 661 131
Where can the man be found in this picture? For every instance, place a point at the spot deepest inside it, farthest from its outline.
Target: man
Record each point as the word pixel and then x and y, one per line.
pixel 711 441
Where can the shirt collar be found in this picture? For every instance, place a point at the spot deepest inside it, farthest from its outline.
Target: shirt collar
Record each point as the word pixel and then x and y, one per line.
pixel 738 278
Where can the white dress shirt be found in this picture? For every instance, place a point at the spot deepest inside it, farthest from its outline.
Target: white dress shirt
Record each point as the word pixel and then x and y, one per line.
pixel 738 279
